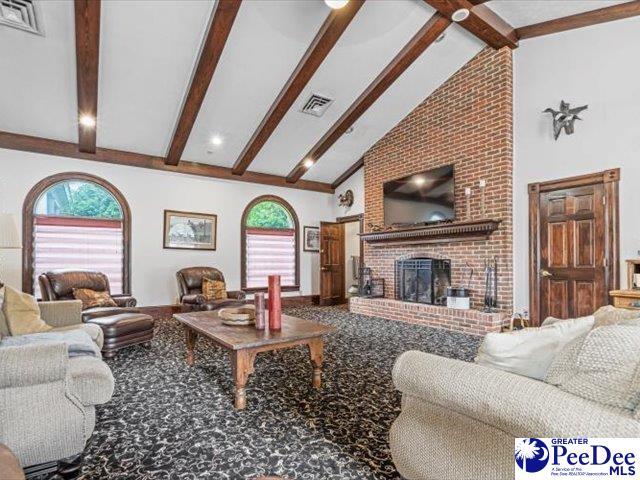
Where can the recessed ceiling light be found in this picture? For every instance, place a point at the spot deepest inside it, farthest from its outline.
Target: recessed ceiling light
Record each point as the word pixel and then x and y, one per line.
pixel 308 163
pixel 460 15
pixel 87 121
pixel 216 140
pixel 336 4
pixel 419 180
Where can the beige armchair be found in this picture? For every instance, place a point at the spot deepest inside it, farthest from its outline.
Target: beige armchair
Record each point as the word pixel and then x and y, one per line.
pixel 47 398
pixel 459 419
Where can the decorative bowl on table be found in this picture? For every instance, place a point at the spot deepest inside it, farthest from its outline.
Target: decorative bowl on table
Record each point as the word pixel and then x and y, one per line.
pixel 238 316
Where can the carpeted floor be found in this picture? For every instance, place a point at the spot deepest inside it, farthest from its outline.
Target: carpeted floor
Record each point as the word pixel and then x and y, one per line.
pixel 169 421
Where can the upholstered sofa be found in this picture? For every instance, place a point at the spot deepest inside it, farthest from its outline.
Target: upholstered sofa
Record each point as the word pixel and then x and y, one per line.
pixel 459 419
pixel 47 400
pixel 190 289
pixel 122 325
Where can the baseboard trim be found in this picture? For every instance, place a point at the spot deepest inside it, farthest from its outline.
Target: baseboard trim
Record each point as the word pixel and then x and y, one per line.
pixel 300 300
pixel 164 311
pixel 161 311
pixel 295 301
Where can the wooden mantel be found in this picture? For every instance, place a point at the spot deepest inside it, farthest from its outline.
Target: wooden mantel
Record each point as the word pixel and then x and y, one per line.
pixel 441 233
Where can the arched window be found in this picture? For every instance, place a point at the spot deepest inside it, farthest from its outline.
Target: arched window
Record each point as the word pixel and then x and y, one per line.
pixel 76 221
pixel 269 244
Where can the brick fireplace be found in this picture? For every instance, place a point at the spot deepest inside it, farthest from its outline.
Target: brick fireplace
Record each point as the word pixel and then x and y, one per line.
pixel 466 122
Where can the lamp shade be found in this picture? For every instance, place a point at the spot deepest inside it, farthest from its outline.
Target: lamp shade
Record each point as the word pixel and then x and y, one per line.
pixel 9 237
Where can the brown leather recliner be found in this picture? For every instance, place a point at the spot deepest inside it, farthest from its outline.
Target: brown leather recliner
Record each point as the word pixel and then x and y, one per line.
pixel 59 285
pixel 122 325
pixel 190 288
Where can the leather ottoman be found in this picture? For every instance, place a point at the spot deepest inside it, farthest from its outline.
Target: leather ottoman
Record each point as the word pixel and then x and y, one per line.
pixel 122 329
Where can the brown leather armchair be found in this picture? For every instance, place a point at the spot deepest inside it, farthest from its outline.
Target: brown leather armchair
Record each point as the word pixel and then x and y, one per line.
pixel 190 289
pixel 122 325
pixel 59 285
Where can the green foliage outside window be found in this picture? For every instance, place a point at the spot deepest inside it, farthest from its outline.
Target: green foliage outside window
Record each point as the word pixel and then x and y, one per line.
pixel 79 199
pixel 269 214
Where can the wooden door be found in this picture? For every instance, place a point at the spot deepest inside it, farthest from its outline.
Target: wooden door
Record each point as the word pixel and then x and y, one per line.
pixel 572 252
pixel 331 263
pixel 574 247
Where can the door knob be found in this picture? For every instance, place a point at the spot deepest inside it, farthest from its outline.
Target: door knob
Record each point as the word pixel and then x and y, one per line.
pixel 545 273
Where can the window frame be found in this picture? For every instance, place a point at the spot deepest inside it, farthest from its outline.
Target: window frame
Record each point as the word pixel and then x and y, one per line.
pixel 28 219
pixel 243 243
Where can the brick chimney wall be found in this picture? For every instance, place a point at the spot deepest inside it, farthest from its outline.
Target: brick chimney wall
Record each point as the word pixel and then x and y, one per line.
pixel 466 122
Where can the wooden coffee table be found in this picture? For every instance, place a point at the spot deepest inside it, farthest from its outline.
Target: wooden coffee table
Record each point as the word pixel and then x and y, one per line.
pixel 244 343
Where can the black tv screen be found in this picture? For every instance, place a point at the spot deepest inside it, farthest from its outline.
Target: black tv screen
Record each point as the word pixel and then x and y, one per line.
pixel 423 197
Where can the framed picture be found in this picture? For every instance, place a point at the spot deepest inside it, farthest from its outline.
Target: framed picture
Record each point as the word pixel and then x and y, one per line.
pixel 190 231
pixel 311 241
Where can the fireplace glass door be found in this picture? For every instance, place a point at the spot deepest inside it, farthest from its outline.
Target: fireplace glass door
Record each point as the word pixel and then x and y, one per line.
pixel 422 280
pixel 416 285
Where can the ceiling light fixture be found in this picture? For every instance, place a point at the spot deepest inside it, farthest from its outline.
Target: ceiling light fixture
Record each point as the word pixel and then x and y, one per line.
pixel 440 38
pixel 87 121
pixel 419 180
pixel 308 163
pixel 216 140
pixel 460 15
pixel 336 4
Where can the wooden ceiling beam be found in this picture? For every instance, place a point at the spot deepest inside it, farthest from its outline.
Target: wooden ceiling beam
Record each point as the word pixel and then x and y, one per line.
pixel 482 22
pixel 348 172
pixel 220 24
pixel 580 20
pixel 428 34
pixel 25 143
pixel 87 20
pixel 332 29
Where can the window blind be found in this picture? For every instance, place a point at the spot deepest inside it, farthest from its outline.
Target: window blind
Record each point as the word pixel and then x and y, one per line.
pixel 79 243
pixel 270 252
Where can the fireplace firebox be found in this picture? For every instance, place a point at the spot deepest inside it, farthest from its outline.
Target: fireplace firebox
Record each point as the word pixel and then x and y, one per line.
pixel 423 280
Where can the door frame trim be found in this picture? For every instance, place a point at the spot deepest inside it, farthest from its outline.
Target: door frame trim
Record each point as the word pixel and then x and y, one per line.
pixel 610 179
pixel 356 218
pixel 359 217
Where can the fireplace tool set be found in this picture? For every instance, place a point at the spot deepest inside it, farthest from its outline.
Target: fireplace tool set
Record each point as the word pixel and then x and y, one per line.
pixel 491 285
pixel 369 287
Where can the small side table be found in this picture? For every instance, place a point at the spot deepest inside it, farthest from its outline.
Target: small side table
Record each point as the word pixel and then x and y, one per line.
pixel 629 299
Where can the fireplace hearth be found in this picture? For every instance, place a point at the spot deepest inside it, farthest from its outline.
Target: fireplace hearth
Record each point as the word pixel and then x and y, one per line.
pixel 423 280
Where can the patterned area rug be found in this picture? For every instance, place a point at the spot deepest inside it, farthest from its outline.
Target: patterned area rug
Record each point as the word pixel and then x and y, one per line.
pixel 169 421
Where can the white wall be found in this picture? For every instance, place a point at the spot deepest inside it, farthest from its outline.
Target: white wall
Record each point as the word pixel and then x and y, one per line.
pixel 598 66
pixel 356 183
pixel 150 192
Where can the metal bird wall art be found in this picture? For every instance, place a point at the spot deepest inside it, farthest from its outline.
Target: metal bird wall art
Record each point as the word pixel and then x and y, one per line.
pixel 564 118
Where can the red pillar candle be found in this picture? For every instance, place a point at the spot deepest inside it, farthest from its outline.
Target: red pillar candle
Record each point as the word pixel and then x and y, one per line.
pixel 275 303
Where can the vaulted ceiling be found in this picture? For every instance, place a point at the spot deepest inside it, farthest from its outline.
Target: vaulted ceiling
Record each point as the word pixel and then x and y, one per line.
pixel 151 95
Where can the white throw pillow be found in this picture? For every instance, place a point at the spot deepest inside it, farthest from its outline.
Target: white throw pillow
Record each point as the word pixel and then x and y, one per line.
pixel 530 352
pixel 602 366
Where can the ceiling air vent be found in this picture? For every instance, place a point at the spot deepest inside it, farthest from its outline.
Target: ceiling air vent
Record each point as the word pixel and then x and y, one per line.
pixel 22 14
pixel 316 105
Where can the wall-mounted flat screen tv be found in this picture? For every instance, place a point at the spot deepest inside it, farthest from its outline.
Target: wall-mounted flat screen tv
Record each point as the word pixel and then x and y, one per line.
pixel 423 197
